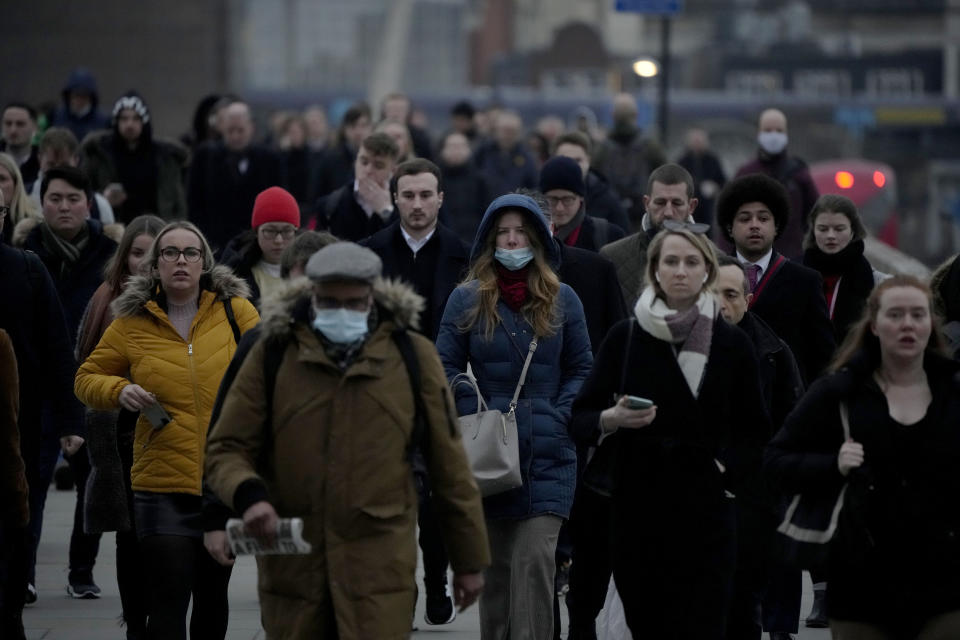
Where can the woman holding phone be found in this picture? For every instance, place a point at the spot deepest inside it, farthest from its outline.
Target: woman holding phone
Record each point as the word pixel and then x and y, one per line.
pixel 679 462
pixel 173 337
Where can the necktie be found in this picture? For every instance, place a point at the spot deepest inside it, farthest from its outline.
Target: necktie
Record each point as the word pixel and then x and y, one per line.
pixel 753 275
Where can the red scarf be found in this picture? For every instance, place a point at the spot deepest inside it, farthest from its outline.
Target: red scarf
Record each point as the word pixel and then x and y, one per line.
pixel 513 286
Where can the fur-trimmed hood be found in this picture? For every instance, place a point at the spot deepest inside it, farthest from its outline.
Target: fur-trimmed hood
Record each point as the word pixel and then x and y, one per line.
pixel 395 300
pixel 141 289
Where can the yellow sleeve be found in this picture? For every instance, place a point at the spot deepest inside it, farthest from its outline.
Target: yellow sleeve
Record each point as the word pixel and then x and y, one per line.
pixel 100 378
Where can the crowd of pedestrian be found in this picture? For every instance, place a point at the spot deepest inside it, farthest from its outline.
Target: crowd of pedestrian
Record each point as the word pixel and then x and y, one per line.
pixel 307 323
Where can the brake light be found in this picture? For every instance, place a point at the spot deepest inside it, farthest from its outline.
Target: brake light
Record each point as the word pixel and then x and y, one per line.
pixel 844 179
pixel 879 179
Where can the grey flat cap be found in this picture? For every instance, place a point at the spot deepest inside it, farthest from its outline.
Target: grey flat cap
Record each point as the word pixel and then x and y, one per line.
pixel 344 261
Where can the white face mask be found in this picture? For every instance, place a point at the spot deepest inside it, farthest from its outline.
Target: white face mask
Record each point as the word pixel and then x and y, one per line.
pixel 341 326
pixel 773 142
pixel 514 259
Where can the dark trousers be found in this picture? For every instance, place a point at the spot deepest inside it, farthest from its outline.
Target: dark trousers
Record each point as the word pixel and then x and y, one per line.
pixel 435 559
pixel 83 546
pixel 130 569
pixel 40 465
pixel 766 595
pixel 14 547
pixel 178 567
pixel 591 568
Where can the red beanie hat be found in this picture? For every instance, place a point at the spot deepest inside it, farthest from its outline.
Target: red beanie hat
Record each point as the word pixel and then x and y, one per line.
pixel 275 205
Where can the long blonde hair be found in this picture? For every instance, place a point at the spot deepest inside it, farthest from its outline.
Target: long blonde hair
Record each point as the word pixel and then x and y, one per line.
pixel 540 309
pixel 21 205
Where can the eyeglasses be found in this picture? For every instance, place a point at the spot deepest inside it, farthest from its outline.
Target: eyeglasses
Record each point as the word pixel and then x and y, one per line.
pixel 353 304
pixel 172 254
pixel 4 210
pixel 566 201
pixel 271 233
pixel 693 227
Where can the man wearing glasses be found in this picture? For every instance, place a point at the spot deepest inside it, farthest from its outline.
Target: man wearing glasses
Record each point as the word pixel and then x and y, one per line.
pixel 74 249
pixel 255 255
pixel 561 182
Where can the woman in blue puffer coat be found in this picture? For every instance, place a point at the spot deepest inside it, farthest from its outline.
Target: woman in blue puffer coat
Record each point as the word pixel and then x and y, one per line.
pixel 510 296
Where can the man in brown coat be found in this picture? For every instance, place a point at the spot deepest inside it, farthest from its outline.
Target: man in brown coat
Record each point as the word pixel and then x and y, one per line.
pixel 333 449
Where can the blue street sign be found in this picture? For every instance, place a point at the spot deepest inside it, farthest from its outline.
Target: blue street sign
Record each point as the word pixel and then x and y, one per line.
pixel 663 7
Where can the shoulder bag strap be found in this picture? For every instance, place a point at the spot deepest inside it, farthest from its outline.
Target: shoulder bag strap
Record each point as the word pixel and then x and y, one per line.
pixel 402 339
pixel 523 374
pixel 232 319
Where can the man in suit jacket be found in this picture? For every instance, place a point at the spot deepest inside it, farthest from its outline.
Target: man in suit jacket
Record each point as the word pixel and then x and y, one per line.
pixel 226 176
pixel 417 249
pixel 362 206
pixel 669 197
pixel 561 182
pixel 752 211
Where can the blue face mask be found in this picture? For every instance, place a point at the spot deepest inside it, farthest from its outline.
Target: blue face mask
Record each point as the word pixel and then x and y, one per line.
pixel 514 259
pixel 341 326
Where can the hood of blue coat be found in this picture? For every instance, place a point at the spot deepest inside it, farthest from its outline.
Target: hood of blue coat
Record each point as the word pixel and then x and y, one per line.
pixel 526 206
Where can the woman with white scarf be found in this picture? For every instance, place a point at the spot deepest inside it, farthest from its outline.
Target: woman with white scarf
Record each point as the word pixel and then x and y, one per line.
pixel 679 462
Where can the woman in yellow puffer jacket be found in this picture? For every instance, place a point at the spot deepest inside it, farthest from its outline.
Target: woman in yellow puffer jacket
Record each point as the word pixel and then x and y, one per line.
pixel 168 348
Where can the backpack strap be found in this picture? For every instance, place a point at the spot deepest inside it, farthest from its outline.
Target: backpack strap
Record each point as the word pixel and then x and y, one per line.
pixel 274 349
pixel 232 319
pixel 402 339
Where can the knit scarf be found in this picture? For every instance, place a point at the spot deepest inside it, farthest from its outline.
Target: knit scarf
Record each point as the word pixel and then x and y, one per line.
pixel 562 233
pixel 513 286
pixel 67 250
pixel 691 329
pixel 833 264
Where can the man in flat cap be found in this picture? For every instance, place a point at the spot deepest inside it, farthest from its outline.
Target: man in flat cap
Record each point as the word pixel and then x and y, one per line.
pixel 319 424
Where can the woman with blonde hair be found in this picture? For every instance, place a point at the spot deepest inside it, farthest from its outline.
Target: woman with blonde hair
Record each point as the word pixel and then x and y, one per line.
pixel 511 308
pixel 679 391
pixel 15 197
pixel 177 326
pixel 894 562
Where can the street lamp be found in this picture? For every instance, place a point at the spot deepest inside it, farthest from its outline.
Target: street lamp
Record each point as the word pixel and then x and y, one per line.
pixel 646 67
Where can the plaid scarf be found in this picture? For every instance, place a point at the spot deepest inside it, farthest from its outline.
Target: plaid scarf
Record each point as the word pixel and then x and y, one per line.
pixel 68 251
pixel 691 329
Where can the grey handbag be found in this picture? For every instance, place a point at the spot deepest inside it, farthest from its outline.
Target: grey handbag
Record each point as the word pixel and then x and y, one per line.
pixel 490 438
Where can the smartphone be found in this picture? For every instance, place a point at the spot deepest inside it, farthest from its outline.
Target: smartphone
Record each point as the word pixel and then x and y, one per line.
pixel 636 402
pixel 157 415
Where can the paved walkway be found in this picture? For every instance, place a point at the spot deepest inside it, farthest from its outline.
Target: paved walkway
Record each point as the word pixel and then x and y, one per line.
pixel 56 616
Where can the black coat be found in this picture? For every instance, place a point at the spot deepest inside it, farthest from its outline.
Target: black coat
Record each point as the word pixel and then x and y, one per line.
pixel 596 233
pixel 219 198
pixel 452 261
pixel 703 168
pixel 897 550
pixel 594 279
pixel 75 286
pixel 856 283
pixel 33 316
pixel 339 213
pixel 674 527
pixel 465 198
pixel 241 254
pixel 334 168
pixel 792 304
pixel 781 387
pixel 603 202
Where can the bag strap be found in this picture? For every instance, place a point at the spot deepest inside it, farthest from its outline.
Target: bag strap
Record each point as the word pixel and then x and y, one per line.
pixel 463 378
pixel 232 319
pixel 405 345
pixel 523 374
